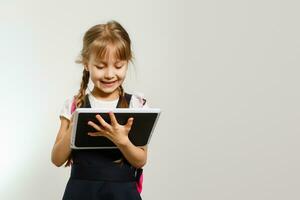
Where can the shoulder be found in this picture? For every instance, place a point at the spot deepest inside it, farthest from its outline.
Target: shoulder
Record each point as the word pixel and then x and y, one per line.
pixel 138 100
pixel 67 107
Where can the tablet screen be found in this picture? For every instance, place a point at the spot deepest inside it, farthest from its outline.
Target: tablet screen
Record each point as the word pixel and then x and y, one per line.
pixel 139 135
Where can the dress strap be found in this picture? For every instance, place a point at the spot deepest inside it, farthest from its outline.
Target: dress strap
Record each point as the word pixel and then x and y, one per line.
pixel 127 97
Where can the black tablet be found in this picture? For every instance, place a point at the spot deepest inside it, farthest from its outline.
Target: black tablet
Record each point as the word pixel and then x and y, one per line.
pixel 141 131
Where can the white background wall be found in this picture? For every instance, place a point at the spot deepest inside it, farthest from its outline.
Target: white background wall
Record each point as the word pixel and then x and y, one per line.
pixel 225 74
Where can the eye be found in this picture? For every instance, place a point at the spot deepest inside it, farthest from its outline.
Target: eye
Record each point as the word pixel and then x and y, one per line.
pixel 99 67
pixel 119 66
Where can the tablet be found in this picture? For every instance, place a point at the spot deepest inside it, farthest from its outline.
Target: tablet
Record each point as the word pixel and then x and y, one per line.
pixel 144 122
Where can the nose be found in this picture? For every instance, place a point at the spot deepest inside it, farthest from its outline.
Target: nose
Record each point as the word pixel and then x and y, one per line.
pixel 109 73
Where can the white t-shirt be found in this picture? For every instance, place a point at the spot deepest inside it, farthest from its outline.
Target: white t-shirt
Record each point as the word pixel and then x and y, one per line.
pixel 135 102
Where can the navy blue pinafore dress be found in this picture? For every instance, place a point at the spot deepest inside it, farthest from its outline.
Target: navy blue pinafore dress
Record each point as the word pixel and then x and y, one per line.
pixel 95 175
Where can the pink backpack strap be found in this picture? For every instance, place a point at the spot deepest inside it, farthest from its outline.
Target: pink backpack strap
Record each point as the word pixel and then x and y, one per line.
pixel 73 106
pixel 141 99
pixel 139 183
pixel 140 174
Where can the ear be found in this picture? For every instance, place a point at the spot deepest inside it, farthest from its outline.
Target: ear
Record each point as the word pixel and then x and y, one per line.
pixel 86 68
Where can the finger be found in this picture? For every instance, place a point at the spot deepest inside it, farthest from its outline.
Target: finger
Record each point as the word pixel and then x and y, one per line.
pixel 72 118
pixel 71 121
pixel 95 126
pixel 103 122
pixel 95 134
pixel 129 123
pixel 113 119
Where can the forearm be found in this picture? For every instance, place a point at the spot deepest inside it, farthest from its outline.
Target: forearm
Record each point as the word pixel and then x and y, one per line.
pixel 61 150
pixel 136 156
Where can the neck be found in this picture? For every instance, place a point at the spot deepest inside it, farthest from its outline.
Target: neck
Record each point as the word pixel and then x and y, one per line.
pixel 105 96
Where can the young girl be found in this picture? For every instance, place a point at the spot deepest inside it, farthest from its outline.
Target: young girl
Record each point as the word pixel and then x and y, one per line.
pixel 109 174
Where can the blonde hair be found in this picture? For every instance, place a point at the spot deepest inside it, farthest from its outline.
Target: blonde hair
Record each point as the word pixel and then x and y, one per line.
pixel 95 42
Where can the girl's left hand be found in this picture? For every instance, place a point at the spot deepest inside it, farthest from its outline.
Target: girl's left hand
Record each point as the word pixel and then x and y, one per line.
pixel 115 132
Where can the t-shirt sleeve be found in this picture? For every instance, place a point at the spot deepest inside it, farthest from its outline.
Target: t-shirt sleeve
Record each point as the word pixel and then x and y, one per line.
pixel 138 100
pixel 66 109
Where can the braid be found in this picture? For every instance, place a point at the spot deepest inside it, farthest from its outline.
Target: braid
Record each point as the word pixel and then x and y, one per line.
pixel 123 103
pixel 80 99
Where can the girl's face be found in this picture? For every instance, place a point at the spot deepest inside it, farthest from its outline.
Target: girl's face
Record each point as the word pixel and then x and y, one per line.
pixel 107 75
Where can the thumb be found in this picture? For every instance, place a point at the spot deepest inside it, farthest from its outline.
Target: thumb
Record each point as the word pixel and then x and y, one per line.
pixel 129 123
pixel 72 118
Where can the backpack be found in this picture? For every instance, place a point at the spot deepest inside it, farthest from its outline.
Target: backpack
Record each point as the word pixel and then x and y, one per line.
pixel 139 172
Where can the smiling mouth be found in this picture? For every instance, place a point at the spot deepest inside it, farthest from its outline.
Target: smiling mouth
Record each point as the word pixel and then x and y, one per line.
pixel 108 82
